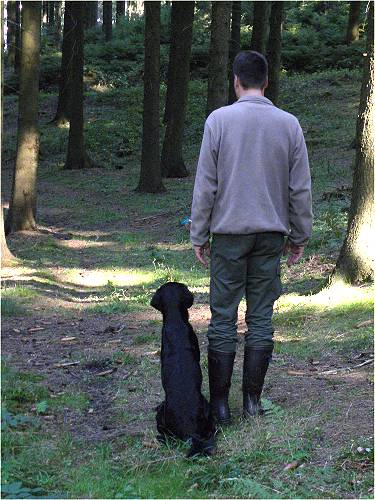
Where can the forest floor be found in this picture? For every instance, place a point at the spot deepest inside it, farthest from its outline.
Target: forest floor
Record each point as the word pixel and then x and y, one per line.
pixel 80 343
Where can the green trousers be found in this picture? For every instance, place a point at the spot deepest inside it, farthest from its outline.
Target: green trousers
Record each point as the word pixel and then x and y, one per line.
pixel 244 265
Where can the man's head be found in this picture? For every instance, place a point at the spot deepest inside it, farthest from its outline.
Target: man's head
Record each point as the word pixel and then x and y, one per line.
pixel 250 72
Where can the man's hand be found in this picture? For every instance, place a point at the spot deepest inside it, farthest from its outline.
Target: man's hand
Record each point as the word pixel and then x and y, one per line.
pixel 295 252
pixel 201 252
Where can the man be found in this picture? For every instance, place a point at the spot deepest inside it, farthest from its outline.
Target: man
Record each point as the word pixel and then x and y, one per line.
pixel 252 189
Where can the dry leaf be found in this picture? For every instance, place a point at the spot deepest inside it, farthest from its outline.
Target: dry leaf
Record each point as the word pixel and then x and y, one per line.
pixel 292 465
pixel 16 330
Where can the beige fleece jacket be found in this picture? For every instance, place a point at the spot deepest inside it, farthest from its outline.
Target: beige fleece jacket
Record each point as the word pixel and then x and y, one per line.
pixel 253 174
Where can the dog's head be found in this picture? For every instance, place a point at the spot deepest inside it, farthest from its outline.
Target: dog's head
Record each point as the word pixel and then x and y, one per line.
pixel 172 294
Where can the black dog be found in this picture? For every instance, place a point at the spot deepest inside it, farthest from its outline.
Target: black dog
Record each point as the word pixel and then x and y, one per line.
pixel 185 413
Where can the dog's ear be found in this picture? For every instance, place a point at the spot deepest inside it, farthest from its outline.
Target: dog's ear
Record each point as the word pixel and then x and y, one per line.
pixel 187 298
pixel 156 301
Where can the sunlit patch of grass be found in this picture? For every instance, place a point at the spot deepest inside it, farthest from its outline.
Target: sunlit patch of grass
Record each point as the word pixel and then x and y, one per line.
pixel 15 300
pixel 313 324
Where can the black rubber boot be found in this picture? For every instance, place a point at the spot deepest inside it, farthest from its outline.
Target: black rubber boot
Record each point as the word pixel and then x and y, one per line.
pixel 220 368
pixel 255 367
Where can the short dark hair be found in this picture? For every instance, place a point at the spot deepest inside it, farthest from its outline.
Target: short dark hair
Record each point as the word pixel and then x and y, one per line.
pixel 251 68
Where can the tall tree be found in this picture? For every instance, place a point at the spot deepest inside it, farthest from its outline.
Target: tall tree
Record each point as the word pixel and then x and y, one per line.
pixel 260 22
pixel 77 157
pixel 91 14
pixel 51 15
pixel 17 55
pixel 219 49
pixel 274 51
pixel 234 47
pixel 120 10
pixel 11 31
pixel 22 209
pixel 107 19
pixel 5 254
pixel 58 17
pixel 356 260
pixel 65 84
pixel 182 18
pixel 352 32
pixel 150 180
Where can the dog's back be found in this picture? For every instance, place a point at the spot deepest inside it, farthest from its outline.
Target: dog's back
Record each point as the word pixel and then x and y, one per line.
pixel 185 412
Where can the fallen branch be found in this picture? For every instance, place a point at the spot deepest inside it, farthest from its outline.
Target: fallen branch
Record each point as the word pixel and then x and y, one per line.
pixel 329 372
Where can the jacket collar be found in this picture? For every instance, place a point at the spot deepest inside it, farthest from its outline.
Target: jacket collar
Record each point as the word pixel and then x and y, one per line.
pixel 256 99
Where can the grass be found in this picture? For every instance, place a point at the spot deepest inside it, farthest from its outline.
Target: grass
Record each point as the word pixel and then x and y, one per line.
pixel 109 250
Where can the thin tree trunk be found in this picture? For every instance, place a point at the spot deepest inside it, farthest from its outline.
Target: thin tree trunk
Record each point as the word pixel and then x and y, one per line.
pixel 77 157
pixel 182 18
pixel 57 30
pixel 120 10
pixel 62 116
pixel 11 31
pixel 352 32
pixel 356 261
pixel 234 47
pixel 51 15
pixel 274 51
pixel 44 19
pixel 107 19
pixel 6 254
pixel 259 36
pixel 219 50
pixel 150 176
pixel 17 55
pixel 22 209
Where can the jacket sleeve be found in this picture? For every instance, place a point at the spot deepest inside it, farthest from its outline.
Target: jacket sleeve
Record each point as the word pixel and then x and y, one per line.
pixel 205 188
pixel 300 203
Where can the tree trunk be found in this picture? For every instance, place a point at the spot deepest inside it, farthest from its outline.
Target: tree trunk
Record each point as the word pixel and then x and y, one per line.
pixel 62 116
pixel 77 157
pixel 51 15
pixel 150 177
pixel 234 47
pixel 17 55
pixel 219 51
pixel 259 36
pixel 274 51
pixel 11 31
pixel 22 209
pixel 107 19
pixel 120 10
pixel 44 12
pixel 57 30
pixel 352 32
pixel 356 261
pixel 6 254
pixel 182 18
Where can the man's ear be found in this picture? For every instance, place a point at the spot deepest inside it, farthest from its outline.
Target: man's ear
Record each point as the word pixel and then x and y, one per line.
pixel 156 301
pixel 187 298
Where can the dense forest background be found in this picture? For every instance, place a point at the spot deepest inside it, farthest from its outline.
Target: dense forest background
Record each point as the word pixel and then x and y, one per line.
pixel 103 108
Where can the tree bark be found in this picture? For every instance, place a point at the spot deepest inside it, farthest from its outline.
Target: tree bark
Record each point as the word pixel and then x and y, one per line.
pixel 77 157
pixel 107 19
pixel 352 32
pixel 234 47
pixel 219 50
pixel 182 18
pixel 356 260
pixel 258 38
pixel 120 10
pixel 22 209
pixel 51 15
pixel 150 176
pixel 274 51
pixel 62 116
pixel 11 31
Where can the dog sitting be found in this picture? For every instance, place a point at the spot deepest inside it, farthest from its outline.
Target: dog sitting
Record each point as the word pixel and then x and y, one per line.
pixel 185 413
